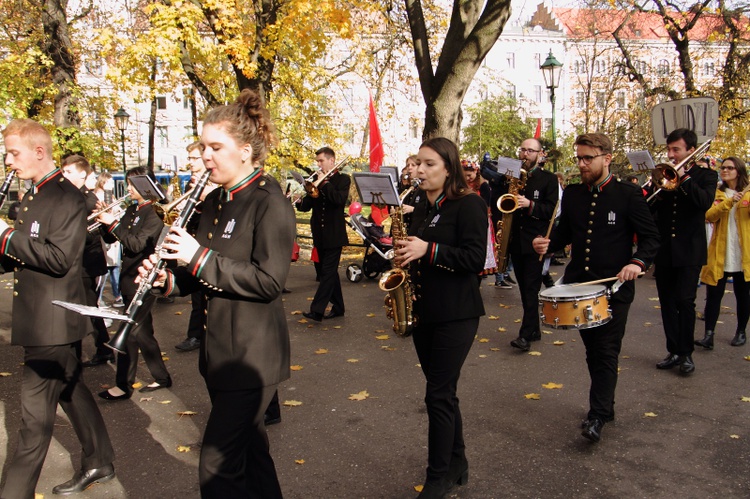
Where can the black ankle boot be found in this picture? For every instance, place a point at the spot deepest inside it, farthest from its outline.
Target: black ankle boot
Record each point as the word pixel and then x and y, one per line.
pixel 739 339
pixel 707 342
pixel 435 489
pixel 458 471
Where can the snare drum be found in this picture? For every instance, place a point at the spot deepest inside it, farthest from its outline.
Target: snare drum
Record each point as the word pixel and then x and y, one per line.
pixel 575 307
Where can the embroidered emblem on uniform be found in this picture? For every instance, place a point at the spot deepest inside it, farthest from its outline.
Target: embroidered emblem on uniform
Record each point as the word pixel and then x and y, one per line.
pixel 611 218
pixel 536 194
pixel 435 220
pixel 228 229
pixel 34 229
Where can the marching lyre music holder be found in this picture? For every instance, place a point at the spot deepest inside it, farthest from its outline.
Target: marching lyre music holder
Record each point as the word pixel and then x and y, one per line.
pixel 376 189
pixel 91 311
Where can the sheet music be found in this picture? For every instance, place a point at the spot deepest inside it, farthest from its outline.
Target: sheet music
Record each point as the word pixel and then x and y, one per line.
pixel 376 188
pixel 509 166
pixel 641 161
pixel 91 311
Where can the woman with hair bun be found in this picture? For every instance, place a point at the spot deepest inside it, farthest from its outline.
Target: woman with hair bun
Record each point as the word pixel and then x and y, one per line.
pixel 239 258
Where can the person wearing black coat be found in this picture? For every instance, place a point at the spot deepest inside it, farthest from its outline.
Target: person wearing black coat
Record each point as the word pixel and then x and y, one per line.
pixel 239 258
pixel 76 169
pixel 329 235
pixel 138 231
pixel 45 251
pixel 444 252
pixel 681 215
pixel 599 217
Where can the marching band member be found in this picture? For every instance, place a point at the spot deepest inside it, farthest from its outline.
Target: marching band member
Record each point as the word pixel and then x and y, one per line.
pixel 603 247
pixel 680 216
pixel 329 235
pixel 239 258
pixel 729 250
pixel 446 249
pixel 45 251
pixel 137 231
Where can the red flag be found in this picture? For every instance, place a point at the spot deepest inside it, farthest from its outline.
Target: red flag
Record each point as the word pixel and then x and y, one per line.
pixel 538 132
pixel 376 142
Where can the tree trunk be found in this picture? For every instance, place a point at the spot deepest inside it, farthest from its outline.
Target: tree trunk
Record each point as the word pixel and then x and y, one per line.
pixel 58 47
pixel 152 123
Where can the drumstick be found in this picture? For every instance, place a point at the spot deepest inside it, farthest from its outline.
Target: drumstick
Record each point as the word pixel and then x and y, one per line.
pixel 551 223
pixel 598 281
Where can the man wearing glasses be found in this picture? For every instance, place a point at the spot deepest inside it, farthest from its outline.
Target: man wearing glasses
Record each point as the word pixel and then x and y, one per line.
pixel 680 216
pixel 536 207
pixel 599 217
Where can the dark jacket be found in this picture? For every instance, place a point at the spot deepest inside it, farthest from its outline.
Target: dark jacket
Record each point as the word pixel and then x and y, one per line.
pixel 600 223
pixel 445 279
pixel 246 237
pixel 45 250
pixel 327 221
pixel 94 262
pixel 138 231
pixel 681 216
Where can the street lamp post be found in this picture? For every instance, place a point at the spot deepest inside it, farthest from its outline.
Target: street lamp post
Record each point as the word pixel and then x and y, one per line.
pixel 552 69
pixel 121 122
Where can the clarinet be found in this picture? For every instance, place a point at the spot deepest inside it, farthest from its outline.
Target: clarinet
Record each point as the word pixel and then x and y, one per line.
pixel 6 186
pixel 119 340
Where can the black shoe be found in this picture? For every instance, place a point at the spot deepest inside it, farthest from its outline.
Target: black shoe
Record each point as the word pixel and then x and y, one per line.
pixel 98 360
pixel 156 386
pixel 85 479
pixel 739 339
pixel 269 420
pixel 332 315
pixel 108 396
pixel 686 364
pixel 458 471
pixel 669 362
pixel 435 489
pixel 313 316
pixel 521 344
pixel 536 336
pixel 286 290
pixel 165 299
pixel 592 429
pixel 707 342
pixel 188 345
pixel 547 281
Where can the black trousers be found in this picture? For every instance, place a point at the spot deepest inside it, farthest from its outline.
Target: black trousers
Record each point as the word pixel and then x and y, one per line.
pixel 235 457
pixel 101 335
pixel 603 345
pixel 53 375
pixel 714 294
pixel 329 289
pixel 528 270
pixel 141 336
pixel 442 349
pixel 677 287
pixel 197 322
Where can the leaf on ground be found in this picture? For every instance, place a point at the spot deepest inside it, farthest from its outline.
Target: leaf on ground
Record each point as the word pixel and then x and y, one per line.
pixel 546 331
pixel 352 361
pixel 186 413
pixel 321 351
pixel 310 298
pixel 183 448
pixel 296 367
pixel 359 396
pixel 178 313
pixel 736 437
pixel 146 399
pixel 418 488
pixel 501 330
pixel 654 298
pixel 388 348
pixel 164 358
pixel 482 356
pixel 558 342
pixel 746 357
pixel 649 414
pixel 5 375
pixel 292 403
pixel 370 315
pixel 380 331
pixel 502 305
pixel 484 340
pixel 299 461
pixel 382 337
pixel 296 312
pixel 137 385
pixel 625 357
pixel 165 402
pixel 336 327
pixel 494 349
pixel 552 386
pixel 532 396
pixel 657 307
pixel 535 353
pixel 745 399
pixel 647 324
pixel 516 320
pixel 302 321
pixel 493 317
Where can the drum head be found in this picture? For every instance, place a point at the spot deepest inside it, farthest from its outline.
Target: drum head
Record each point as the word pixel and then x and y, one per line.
pixel 568 292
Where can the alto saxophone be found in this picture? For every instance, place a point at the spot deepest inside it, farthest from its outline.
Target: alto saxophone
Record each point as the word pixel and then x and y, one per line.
pixel 397 282
pixel 507 204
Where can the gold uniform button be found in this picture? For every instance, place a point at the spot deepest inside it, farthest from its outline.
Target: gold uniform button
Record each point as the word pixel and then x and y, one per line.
pixel 262 183
pixel 591 222
pixel 20 221
pixel 25 208
pixel 591 213
pixel 216 221
pixel 31 198
pixel 593 203
pixel 587 259
pixel 588 241
pixel 588 250
pixel 209 236
pixel 15 293
pixel 586 269
pixel 588 231
pixel 15 281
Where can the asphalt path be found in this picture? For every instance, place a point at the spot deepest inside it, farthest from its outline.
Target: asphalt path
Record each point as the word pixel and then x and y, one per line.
pixel 674 436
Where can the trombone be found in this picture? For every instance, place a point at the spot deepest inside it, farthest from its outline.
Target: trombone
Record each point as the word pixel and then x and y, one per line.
pixel 667 177
pixel 93 224
pixel 312 187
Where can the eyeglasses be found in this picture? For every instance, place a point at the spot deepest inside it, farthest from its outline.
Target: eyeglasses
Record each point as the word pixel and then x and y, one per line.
pixel 727 168
pixel 586 160
pixel 190 160
pixel 523 149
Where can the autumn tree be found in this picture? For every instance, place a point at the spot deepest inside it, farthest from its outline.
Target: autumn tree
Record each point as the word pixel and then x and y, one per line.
pixel 475 26
pixel 495 126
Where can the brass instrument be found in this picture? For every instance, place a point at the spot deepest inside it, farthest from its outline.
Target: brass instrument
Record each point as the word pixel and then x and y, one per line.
pixel 312 186
pixel 165 211
pixel 396 282
pixel 6 186
pixel 667 177
pixel 507 204
pixel 93 224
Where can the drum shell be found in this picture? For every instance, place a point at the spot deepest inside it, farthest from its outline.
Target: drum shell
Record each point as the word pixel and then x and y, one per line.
pixel 574 307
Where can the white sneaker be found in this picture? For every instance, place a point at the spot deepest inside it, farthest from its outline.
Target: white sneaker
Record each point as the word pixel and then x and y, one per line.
pixel 118 303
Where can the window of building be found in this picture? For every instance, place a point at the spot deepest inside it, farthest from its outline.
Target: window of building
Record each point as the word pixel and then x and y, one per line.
pixel 187 96
pixel 538 60
pixel 600 66
pixel 511 89
pixel 641 67
pixel 162 136
pixel 94 67
pixel 537 93
pixel 620 100
pixel 580 100
pixel 662 69
pixel 708 68
pixel 414 128
pixel 161 102
pixel 601 99
pixel 510 58
pixel 579 66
